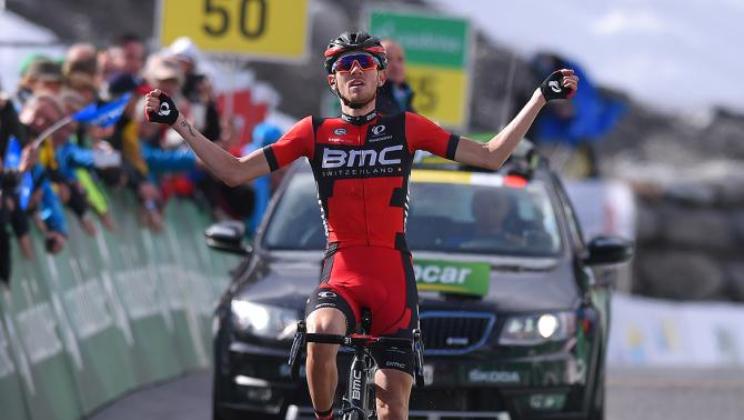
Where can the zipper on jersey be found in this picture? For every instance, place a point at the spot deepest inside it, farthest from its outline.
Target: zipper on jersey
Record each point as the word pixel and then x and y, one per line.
pixel 361 142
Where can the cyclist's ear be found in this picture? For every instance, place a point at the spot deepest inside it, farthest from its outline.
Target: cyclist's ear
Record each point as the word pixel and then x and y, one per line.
pixel 381 77
pixel 332 81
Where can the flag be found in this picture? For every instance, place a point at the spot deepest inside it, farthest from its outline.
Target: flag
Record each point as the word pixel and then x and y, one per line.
pixel 12 161
pixel 594 115
pixel 24 190
pixel 12 158
pixel 103 115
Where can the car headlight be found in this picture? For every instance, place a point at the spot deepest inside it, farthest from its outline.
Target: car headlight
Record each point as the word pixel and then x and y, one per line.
pixel 538 328
pixel 265 321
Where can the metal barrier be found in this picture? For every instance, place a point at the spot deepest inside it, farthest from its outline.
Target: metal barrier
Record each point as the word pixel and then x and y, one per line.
pixel 109 314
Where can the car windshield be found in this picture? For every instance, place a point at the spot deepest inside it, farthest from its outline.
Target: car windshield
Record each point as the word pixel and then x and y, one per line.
pixel 450 212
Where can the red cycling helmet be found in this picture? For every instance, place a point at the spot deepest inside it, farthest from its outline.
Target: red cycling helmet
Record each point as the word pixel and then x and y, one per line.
pixel 354 41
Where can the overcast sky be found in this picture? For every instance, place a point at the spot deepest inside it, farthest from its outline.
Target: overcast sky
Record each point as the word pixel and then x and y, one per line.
pixel 676 54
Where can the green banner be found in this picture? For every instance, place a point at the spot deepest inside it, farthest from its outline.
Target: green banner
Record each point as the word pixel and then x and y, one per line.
pixel 427 39
pixel 468 278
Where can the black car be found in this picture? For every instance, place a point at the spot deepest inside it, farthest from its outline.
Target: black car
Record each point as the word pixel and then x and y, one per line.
pixel 514 305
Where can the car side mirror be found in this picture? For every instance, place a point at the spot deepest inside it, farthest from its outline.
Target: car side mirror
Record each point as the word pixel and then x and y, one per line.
pixel 227 236
pixel 606 250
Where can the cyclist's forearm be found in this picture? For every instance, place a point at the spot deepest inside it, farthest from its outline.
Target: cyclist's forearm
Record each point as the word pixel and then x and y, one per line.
pixel 504 143
pixel 219 162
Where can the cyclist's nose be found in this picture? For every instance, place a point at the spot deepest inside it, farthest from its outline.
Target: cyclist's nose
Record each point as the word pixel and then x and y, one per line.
pixel 356 67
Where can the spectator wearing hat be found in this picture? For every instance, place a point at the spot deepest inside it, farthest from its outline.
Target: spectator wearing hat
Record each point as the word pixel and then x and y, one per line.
pixel 46 76
pixel 81 155
pixel 197 88
pixel 38 73
pixel 163 149
pixel 40 112
pixel 81 58
pixel 264 134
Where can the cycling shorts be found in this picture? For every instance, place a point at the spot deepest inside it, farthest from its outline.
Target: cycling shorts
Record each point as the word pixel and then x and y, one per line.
pixel 381 280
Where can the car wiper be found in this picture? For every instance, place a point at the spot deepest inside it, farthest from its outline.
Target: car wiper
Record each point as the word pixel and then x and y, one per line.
pixel 519 268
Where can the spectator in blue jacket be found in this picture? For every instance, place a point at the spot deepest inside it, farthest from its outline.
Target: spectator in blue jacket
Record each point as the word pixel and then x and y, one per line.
pixel 264 134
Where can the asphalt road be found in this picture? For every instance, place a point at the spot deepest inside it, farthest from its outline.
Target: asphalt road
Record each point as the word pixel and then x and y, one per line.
pixel 633 394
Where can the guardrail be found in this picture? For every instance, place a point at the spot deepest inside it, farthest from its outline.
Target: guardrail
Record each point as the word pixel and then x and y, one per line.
pixel 109 314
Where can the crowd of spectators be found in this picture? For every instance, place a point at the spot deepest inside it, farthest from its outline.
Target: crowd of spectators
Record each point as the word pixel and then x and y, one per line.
pixel 50 161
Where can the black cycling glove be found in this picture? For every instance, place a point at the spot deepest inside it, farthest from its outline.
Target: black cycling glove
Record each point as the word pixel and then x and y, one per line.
pixel 552 87
pixel 167 113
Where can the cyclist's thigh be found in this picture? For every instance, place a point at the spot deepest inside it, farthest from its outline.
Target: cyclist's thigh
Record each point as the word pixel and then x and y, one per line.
pixel 397 314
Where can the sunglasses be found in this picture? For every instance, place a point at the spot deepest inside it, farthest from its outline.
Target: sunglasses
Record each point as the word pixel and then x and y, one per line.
pixel 345 63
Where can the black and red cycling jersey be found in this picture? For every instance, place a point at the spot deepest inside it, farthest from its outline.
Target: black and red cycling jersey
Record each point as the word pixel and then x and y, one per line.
pixel 361 168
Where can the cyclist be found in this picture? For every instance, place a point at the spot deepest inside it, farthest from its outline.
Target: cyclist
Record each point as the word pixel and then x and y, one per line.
pixel 361 162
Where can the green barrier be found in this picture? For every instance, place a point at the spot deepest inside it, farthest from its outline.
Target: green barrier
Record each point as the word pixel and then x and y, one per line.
pixel 32 318
pixel 12 399
pixel 110 313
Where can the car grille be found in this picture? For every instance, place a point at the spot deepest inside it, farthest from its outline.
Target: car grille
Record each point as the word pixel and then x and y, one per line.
pixel 455 332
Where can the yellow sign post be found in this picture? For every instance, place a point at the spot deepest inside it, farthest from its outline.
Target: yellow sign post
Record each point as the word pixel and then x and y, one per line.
pixel 273 30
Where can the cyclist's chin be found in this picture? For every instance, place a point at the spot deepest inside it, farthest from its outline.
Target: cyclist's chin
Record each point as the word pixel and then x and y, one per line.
pixel 361 97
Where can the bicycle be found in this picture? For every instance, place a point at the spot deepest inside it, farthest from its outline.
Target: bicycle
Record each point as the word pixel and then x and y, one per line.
pixel 358 401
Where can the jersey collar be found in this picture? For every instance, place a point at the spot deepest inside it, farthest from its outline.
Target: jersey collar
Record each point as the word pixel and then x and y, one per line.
pixel 362 119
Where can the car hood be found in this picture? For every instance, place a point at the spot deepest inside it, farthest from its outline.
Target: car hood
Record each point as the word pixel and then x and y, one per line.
pixel 516 284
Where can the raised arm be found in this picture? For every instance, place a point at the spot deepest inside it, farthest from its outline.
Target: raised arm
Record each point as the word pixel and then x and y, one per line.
pixel 561 84
pixel 229 169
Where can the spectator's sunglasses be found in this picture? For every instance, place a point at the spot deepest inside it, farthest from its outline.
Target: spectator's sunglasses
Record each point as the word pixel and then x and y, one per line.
pixel 346 63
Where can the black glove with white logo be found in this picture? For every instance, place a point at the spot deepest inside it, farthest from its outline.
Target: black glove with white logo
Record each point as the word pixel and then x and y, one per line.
pixel 167 113
pixel 552 88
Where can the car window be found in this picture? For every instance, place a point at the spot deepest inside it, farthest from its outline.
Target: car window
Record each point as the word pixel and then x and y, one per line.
pixel 577 236
pixel 296 222
pixel 480 218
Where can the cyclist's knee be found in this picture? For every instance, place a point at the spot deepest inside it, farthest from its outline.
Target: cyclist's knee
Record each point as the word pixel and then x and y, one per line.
pixel 326 321
pixel 392 409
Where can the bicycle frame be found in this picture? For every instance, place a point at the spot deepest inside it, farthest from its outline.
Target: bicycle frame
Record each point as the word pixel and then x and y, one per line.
pixel 358 402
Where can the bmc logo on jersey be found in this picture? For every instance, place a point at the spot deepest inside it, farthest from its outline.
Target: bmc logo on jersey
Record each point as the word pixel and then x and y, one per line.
pixel 334 158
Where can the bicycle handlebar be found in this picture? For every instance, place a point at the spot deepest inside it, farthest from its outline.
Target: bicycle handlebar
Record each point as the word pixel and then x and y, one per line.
pixel 355 340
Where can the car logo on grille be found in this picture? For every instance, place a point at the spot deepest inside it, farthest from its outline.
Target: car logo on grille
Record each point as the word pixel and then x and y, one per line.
pixel 457 341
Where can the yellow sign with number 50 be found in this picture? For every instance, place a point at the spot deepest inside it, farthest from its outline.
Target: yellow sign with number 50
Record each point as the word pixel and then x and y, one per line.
pixel 275 30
